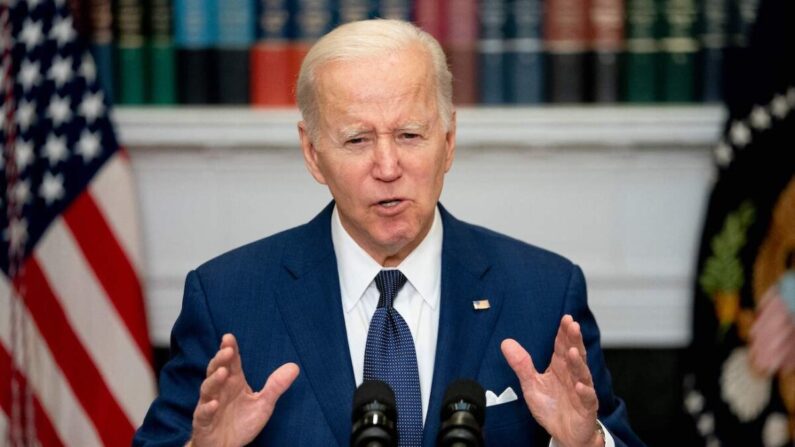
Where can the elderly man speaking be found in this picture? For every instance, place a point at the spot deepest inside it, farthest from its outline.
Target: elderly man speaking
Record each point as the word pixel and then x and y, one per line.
pixel 383 284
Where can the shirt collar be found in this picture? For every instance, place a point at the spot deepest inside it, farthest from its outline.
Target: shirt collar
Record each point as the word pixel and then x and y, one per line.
pixel 356 269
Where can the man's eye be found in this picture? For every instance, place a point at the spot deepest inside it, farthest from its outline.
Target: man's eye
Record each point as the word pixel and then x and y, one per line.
pixel 410 136
pixel 356 140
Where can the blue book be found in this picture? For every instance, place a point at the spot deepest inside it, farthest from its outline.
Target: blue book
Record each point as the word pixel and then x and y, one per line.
pixel 714 39
pixel 355 10
pixel 236 34
pixel 313 19
pixel 394 9
pixel 195 35
pixel 524 54
pixel 491 52
pixel 103 59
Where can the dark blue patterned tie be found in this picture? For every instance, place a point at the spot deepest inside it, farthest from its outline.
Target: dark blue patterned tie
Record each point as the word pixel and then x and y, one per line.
pixel 390 356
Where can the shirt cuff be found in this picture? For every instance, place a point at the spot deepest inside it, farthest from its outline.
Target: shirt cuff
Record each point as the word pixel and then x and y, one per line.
pixel 608 437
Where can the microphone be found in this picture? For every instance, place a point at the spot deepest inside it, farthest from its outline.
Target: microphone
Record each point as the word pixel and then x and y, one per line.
pixel 463 412
pixel 374 416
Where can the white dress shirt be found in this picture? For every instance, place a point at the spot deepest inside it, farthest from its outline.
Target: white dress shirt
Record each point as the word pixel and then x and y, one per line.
pixel 417 302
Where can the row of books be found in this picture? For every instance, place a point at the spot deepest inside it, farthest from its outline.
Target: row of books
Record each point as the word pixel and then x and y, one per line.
pixel 500 51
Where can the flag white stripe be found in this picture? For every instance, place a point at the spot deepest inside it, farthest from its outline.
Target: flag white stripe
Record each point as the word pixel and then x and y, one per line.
pixel 113 189
pixel 3 426
pixel 46 379
pixel 95 321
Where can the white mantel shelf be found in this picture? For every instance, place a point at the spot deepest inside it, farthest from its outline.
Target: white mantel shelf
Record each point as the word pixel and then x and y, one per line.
pixel 538 127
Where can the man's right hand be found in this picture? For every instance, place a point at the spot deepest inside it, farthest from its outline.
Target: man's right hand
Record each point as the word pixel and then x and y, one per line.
pixel 229 413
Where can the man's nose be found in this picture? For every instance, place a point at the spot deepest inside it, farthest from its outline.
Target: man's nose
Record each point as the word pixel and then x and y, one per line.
pixel 386 160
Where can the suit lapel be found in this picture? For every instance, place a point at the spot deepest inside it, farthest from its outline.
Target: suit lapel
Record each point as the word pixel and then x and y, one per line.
pixel 463 331
pixel 310 302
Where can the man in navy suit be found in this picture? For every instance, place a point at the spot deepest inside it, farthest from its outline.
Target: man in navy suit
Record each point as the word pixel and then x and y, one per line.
pixel 379 130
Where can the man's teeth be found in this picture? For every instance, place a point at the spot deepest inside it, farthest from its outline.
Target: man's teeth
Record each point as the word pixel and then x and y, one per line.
pixel 389 203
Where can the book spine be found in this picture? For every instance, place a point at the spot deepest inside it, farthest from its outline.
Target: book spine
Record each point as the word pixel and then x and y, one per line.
pixel 355 10
pixel 679 51
pixel 81 16
pixel 607 38
pixel 491 51
pixel 273 69
pixel 394 9
pixel 714 39
pixel 742 17
pixel 102 44
pixel 429 15
pixel 236 28
pixel 161 55
pixel 641 54
pixel 313 19
pixel 566 40
pixel 129 48
pixel 195 34
pixel 525 59
pixel 461 48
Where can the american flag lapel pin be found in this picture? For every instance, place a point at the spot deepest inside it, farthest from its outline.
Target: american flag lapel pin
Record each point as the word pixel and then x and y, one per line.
pixel 481 304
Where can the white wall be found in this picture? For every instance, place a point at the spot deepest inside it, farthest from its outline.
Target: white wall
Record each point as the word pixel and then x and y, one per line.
pixel 619 191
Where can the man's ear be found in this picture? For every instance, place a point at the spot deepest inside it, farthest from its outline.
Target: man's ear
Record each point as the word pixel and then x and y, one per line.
pixel 450 143
pixel 310 153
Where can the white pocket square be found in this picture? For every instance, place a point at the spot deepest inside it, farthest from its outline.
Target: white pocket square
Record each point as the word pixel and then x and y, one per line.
pixel 507 396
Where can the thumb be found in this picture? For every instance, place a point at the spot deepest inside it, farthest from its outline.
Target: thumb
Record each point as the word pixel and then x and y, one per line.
pixel 278 382
pixel 519 360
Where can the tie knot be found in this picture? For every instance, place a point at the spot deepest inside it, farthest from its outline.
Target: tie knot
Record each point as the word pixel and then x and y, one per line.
pixel 389 282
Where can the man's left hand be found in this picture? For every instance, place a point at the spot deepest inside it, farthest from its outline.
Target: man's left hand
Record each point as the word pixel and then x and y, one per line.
pixel 562 399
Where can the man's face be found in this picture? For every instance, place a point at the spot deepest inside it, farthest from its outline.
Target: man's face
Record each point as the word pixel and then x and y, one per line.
pixel 381 148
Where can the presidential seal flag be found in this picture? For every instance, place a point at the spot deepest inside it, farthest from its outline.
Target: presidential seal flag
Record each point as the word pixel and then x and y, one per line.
pixel 75 362
pixel 740 390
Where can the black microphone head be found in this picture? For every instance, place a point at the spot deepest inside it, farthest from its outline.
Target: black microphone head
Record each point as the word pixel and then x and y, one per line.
pixel 374 393
pixel 374 417
pixel 464 395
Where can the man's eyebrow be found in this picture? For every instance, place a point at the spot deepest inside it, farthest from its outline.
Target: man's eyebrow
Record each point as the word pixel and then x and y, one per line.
pixel 353 132
pixel 413 126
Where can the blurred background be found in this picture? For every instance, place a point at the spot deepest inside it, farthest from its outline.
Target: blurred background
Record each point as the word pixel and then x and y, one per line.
pixel 631 136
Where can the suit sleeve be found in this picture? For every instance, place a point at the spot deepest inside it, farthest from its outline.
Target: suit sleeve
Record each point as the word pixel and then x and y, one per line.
pixel 194 341
pixel 612 411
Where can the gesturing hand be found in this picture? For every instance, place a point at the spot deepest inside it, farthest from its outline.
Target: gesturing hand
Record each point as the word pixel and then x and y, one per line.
pixel 562 399
pixel 229 413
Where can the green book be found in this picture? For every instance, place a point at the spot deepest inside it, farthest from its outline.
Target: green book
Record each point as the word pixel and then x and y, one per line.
pixel 161 72
pixel 130 87
pixel 640 59
pixel 679 51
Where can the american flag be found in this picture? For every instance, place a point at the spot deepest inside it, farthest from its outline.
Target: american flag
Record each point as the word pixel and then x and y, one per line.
pixel 75 362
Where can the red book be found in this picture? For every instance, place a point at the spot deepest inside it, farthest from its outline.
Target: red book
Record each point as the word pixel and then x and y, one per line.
pixel 460 43
pixel 428 15
pixel 274 70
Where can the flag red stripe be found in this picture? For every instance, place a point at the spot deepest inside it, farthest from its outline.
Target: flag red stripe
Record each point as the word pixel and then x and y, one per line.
pixel 111 266
pixel 79 370
pixel 45 431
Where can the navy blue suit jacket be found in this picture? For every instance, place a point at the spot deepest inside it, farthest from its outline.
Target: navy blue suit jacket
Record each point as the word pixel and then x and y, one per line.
pixel 280 297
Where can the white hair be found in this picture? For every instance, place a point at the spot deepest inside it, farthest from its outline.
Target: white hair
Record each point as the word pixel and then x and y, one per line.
pixel 368 39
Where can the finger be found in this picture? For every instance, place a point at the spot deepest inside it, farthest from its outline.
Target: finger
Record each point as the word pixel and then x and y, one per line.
pixel 519 360
pixel 278 382
pixel 573 334
pixel 587 395
pixel 222 358
pixel 211 387
pixel 204 413
pixel 562 338
pixel 578 368
pixel 236 365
